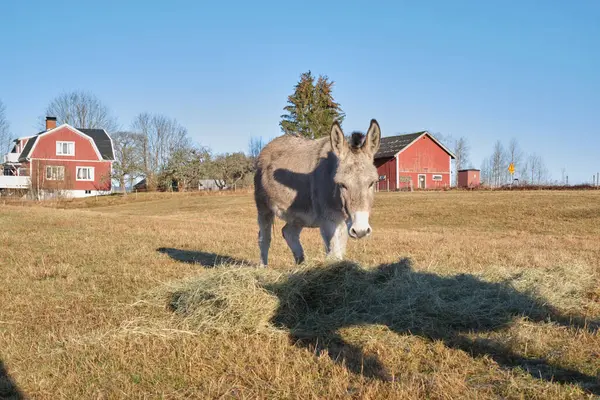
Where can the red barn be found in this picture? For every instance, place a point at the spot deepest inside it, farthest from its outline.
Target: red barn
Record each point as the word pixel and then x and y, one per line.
pixel 63 160
pixel 415 160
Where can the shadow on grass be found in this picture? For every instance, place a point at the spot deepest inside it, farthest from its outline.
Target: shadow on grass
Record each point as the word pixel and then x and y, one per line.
pixel 314 304
pixel 8 388
pixel 207 260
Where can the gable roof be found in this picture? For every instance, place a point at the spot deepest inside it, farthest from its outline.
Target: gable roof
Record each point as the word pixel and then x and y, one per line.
pixel 392 145
pixel 103 142
pixel 99 137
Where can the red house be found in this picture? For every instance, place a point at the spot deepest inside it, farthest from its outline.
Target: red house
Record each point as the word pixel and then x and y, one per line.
pixel 416 160
pixel 62 160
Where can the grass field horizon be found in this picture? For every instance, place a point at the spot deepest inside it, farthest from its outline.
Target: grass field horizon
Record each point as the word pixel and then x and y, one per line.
pixel 456 295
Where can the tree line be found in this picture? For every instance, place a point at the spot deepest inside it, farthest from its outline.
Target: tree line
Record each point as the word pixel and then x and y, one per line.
pixel 159 149
pixel 528 168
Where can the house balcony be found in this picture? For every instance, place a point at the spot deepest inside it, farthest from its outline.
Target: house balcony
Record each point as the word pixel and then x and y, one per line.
pixel 12 158
pixel 14 182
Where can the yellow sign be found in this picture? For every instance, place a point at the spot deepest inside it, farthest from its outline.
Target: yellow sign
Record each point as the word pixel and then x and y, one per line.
pixel 511 168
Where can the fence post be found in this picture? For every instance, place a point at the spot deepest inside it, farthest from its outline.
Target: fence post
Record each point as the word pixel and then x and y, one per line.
pixel 388 184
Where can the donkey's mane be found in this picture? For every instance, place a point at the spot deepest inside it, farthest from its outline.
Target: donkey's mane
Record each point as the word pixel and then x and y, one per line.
pixel 357 140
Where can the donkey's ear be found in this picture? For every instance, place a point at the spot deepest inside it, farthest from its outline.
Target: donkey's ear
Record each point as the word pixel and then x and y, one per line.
pixel 373 138
pixel 339 145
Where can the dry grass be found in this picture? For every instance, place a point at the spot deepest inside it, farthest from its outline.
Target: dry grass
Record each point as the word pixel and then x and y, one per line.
pixel 457 295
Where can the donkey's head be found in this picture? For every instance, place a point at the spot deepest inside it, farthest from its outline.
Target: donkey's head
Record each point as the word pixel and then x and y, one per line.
pixel 356 176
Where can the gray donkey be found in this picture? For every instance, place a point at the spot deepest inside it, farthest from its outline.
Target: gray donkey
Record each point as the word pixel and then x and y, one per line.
pixel 326 183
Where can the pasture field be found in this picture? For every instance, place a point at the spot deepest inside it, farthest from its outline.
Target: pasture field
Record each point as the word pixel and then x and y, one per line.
pixel 456 295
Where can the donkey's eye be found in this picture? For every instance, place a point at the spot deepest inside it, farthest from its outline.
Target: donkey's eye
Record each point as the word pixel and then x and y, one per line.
pixel 342 186
pixel 372 183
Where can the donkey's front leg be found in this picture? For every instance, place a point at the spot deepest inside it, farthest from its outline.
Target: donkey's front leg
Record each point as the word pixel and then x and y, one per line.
pixel 335 236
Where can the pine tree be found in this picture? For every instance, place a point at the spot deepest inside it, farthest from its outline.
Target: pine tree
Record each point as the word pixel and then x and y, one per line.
pixel 311 110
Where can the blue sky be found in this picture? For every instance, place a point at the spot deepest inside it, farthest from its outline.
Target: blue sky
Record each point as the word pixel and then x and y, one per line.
pixel 485 70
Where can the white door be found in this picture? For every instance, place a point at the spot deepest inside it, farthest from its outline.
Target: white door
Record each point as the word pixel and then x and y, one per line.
pixel 421 181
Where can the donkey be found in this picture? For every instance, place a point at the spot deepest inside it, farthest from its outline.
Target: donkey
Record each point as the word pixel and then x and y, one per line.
pixel 327 183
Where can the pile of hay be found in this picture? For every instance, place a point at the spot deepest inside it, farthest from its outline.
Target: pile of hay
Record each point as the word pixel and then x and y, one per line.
pixel 319 300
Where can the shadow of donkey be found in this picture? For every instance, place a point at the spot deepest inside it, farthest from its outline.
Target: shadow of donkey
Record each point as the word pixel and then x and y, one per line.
pixel 316 303
pixel 8 388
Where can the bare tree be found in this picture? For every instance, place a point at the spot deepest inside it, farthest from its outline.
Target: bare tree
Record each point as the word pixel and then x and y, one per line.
pixel 5 136
pixel 515 156
pixel 81 110
pixel 537 171
pixel 486 172
pixel 255 146
pixel 498 164
pixel 160 138
pixel 128 157
pixel 461 152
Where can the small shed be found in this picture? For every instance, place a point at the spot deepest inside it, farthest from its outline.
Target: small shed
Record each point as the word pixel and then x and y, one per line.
pixel 468 178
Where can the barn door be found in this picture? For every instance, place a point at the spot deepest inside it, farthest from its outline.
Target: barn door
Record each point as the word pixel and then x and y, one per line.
pixel 421 181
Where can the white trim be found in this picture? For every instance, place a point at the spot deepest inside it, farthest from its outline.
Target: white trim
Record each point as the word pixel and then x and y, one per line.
pixel 397 173
pixel 450 169
pixel 71 129
pixel 112 146
pixel 419 181
pixel 66 160
pixel 72 193
pixel 425 172
pixel 93 174
pixel 432 138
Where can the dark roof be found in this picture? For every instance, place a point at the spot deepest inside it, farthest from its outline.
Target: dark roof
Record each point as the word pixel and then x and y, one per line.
pixel 99 136
pixel 391 145
pixel 469 169
pixel 102 142
pixel 140 184
pixel 27 148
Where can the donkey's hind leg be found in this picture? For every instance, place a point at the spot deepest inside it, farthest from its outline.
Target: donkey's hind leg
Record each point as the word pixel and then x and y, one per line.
pixel 291 234
pixel 265 224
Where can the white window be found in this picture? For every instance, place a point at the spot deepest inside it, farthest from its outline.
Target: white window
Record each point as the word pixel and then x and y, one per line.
pixel 65 148
pixel 55 173
pixel 85 173
pixel 436 177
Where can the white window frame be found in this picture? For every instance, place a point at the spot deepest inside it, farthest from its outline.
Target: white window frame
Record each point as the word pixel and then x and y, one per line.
pixel 59 176
pixel 59 145
pixel 92 175
pixel 437 177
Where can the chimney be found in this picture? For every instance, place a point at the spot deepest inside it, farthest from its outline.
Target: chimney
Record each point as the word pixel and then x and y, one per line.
pixel 50 123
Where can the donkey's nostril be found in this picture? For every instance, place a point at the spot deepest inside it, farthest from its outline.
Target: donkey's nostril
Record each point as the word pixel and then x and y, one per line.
pixel 369 231
pixel 353 232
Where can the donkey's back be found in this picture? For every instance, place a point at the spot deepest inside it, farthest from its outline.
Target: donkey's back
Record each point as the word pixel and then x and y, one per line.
pixel 285 178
